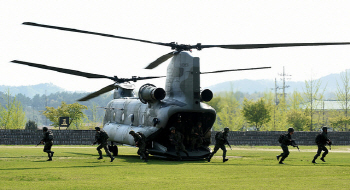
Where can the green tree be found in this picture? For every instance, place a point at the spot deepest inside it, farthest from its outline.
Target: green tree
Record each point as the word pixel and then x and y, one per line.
pixel 31 125
pixel 73 111
pixel 343 94
pixel 93 120
pixel 257 113
pixel 298 119
pixel 230 114
pixel 12 115
pixel 312 93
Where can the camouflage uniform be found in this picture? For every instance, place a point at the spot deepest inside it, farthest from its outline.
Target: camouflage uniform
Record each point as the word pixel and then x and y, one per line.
pixel 99 138
pixel 48 144
pixel 141 143
pixel 287 140
pixel 176 139
pixel 321 143
pixel 221 140
pixel 197 137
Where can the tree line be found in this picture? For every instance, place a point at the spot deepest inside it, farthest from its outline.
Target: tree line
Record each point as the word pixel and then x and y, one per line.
pixel 297 109
pixel 239 111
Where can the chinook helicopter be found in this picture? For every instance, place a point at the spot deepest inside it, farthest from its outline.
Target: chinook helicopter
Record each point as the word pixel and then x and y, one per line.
pixel 155 110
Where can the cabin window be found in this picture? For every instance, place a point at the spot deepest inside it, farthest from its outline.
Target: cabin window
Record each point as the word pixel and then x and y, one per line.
pixel 143 120
pixel 114 116
pixel 123 117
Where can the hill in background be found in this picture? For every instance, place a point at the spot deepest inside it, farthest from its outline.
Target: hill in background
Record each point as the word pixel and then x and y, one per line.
pixel 31 91
pixel 252 86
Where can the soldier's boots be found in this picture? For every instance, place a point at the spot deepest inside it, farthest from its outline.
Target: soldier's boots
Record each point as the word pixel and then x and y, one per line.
pixel 50 158
pixel 323 159
pixel 280 162
pixel 225 160
pixel 314 161
pixel 209 157
pixel 99 158
pixel 52 154
pixel 278 157
pixel 112 158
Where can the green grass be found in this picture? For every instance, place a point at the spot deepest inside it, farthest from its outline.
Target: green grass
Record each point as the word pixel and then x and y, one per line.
pixel 76 167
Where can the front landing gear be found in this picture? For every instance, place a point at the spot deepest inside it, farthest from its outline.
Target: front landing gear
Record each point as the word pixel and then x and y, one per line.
pixel 113 148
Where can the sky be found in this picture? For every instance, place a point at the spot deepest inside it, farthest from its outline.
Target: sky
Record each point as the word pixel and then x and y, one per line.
pixel 185 22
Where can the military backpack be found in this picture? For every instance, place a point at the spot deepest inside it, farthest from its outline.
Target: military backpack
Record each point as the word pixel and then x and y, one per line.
pixel 104 136
pixel 50 136
pixel 280 139
pixel 142 136
pixel 318 138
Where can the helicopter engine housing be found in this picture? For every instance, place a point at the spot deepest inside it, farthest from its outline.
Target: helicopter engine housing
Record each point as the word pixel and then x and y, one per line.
pixel 206 95
pixel 148 93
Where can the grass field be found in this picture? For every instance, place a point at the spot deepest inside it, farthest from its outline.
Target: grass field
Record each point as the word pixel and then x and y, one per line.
pixel 77 167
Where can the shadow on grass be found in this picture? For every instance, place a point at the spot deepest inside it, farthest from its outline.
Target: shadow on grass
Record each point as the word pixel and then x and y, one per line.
pixel 47 167
pixel 154 160
pixel 82 154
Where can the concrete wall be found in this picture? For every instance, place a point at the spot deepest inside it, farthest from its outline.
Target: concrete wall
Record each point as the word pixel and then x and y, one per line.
pixel 87 137
pixel 32 137
pixel 270 138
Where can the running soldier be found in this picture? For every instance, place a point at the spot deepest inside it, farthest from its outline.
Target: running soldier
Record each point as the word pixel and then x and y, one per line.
pixel 176 138
pixel 140 141
pixel 101 138
pixel 285 140
pixel 221 140
pixel 321 141
pixel 48 140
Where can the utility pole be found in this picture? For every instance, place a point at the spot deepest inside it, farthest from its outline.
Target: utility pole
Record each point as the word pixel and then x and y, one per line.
pixel 284 83
pixel 45 107
pixel 276 103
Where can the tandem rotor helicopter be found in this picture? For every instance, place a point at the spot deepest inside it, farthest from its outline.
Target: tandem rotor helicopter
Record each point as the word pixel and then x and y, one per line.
pixel 155 109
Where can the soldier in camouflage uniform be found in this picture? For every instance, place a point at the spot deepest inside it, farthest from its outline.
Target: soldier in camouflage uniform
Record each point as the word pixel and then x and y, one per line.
pixel 321 141
pixel 287 140
pixel 176 139
pixel 197 136
pixel 101 138
pixel 48 140
pixel 221 140
pixel 140 142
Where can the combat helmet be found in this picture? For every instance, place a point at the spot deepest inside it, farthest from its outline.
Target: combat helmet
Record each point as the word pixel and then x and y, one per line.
pixel 97 128
pixel 290 129
pixel 226 129
pixel 172 128
pixel 45 129
pixel 324 128
pixel 132 132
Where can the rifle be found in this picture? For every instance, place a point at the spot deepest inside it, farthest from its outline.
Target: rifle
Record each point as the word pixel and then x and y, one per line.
pixel 39 143
pixel 228 144
pixel 295 145
pixel 330 145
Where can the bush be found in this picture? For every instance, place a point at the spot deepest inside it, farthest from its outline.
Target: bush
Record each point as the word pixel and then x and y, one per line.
pixel 31 125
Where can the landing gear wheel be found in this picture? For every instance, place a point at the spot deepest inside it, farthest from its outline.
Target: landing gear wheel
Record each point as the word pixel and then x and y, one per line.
pixel 113 149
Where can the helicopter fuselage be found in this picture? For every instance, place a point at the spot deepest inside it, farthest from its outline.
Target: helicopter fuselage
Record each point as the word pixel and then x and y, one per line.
pixel 154 117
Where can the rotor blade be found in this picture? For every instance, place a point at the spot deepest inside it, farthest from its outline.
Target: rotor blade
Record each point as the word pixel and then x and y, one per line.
pixel 134 79
pixel 257 46
pixel 99 92
pixel 61 70
pixel 160 60
pixel 221 71
pixel 93 33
